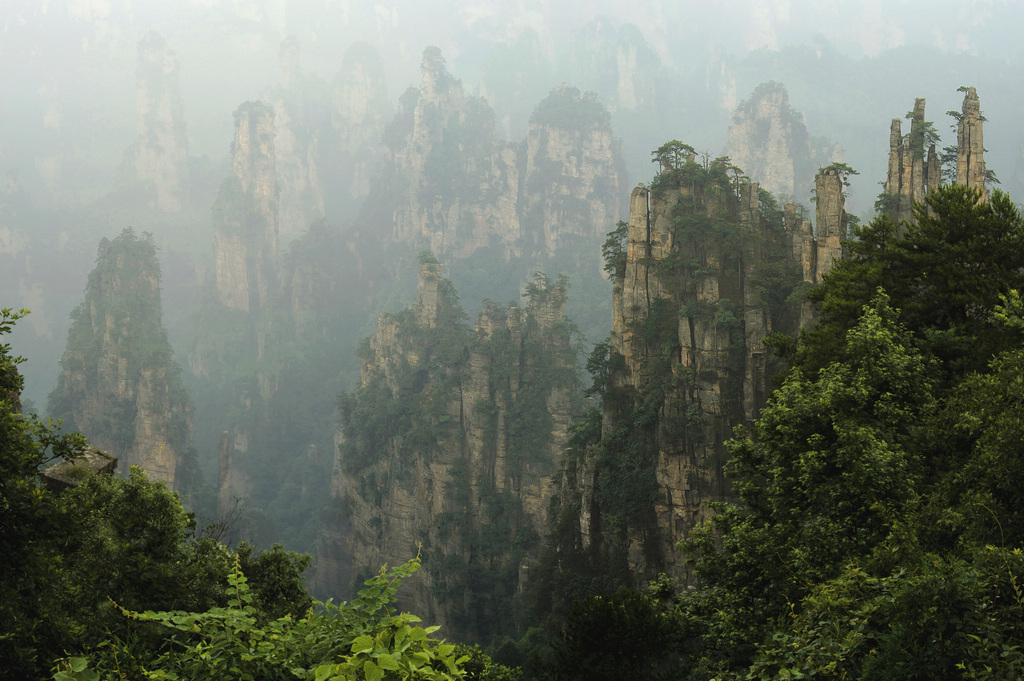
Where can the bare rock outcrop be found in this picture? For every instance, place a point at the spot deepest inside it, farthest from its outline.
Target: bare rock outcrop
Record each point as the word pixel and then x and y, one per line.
pixel 911 174
pixel 360 111
pixel 770 142
pixel 574 173
pixel 245 214
pixel 159 157
pixel 970 157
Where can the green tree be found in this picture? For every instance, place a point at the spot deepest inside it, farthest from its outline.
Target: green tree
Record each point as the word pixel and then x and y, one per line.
pixel 366 639
pixel 29 520
pixel 626 634
pixel 944 272
pixel 64 556
pixel 829 468
pixel 673 155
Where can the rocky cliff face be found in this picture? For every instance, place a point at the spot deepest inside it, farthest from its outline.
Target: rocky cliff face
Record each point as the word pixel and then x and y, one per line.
pixel 702 273
pixel 911 174
pixel 769 140
pixel 360 111
pixel 816 250
pixel 451 442
pixel 573 172
pixel 465 192
pixel 459 187
pixel 301 115
pixel 118 385
pixel 159 157
pixel 970 158
pixel 245 214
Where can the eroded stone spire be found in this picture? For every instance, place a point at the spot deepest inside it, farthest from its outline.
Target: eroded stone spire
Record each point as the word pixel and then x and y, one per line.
pixel 970 157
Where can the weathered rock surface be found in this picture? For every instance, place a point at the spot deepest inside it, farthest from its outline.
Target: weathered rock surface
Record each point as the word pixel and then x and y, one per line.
pixel 119 385
pixel 770 142
pixel 66 474
pixel 970 158
pixel 464 191
pixel 476 422
pixel 360 112
pixel 706 267
pixel 245 214
pixel 574 173
pixel 911 175
pixel 159 157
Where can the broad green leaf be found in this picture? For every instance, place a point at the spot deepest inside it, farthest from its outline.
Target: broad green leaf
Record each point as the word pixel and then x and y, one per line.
pixel 372 671
pixel 362 644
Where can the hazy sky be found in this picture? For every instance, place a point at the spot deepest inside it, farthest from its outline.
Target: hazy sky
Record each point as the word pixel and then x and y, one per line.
pixel 67 68
pixel 68 65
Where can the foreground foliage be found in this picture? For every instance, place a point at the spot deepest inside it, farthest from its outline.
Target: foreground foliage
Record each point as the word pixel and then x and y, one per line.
pixel 362 640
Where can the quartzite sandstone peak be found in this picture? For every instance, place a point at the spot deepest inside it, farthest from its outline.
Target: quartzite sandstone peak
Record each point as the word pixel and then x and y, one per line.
pixel 707 264
pixel 118 385
pixel 970 158
pixel 159 157
pixel 474 424
pixel 912 175
pixel 770 142
pixel 574 172
pixel 463 191
pixel 245 214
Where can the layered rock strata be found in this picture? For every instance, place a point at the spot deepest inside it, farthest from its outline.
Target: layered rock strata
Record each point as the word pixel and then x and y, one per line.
pixel 911 174
pixel 466 192
pixel 770 142
pixel 970 157
pixel 245 214
pixel 476 421
pixel 159 157
pixel 119 385
pixel 706 267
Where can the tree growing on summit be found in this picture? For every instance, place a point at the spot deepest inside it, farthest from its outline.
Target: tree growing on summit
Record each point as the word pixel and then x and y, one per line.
pixel 672 155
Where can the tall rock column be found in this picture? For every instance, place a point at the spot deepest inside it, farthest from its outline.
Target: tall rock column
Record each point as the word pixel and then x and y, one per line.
pixel 573 171
pixel 685 365
pixel 301 115
pixel 911 173
pixel 770 142
pixel 245 213
pixel 830 219
pixel 159 157
pixel 451 443
pixel 118 385
pixel 970 158
pixel 360 111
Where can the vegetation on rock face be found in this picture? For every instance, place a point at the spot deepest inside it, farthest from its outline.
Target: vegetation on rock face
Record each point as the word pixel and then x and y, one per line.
pixel 118 363
pixel 652 407
pixel 479 407
pixel 876 528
